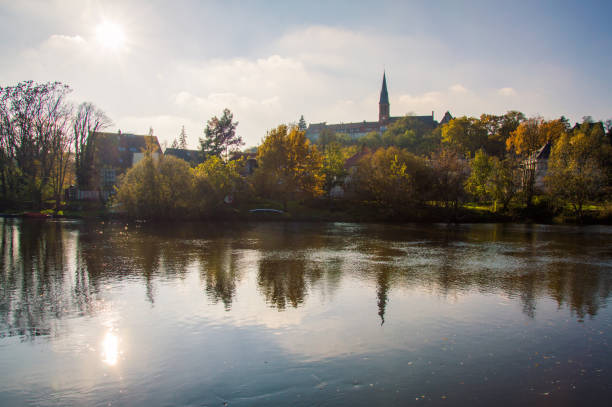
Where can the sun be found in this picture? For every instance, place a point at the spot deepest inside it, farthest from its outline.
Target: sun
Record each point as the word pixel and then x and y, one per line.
pixel 110 35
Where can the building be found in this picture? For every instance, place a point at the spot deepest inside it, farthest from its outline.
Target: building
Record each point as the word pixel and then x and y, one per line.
pixel 359 129
pixel 535 167
pixel 116 152
pixel 193 157
pixel 248 160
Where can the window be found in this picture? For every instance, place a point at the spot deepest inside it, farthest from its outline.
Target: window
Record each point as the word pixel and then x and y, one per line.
pixel 108 176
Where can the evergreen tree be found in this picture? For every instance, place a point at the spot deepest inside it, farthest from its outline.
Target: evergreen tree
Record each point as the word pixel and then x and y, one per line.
pixel 182 140
pixel 302 124
pixel 220 136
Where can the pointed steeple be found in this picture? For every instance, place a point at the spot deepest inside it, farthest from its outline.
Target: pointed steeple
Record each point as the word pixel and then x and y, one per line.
pixel 384 96
pixel 383 105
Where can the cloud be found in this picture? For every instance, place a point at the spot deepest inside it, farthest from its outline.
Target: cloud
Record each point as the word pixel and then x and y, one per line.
pixel 506 92
pixel 458 88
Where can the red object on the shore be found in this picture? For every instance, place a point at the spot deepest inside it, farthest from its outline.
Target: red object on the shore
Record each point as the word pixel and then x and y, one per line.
pixel 36 215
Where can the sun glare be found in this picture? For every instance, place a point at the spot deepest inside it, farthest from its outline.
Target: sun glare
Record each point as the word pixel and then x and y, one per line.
pixel 110 349
pixel 110 35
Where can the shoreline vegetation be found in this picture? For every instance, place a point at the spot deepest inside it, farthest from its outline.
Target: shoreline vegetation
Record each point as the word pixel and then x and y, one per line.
pixel 495 168
pixel 339 211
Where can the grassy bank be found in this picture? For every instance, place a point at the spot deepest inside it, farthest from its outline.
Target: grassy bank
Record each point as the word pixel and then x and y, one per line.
pixel 325 210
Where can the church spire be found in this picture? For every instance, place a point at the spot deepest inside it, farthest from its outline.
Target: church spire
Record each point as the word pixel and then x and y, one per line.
pixel 383 104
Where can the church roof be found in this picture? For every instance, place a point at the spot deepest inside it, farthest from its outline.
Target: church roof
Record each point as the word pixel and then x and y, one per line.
pixel 384 95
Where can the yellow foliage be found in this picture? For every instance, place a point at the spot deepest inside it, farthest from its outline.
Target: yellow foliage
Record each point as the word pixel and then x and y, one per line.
pixel 289 164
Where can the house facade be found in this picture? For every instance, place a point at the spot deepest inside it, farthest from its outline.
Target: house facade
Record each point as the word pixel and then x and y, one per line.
pixel 193 157
pixel 115 153
pixel 535 167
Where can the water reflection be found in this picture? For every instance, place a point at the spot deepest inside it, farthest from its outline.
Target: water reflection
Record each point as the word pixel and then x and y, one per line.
pixel 51 270
pixel 110 348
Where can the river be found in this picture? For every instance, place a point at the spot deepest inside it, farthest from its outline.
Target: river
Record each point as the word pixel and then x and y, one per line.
pixel 205 314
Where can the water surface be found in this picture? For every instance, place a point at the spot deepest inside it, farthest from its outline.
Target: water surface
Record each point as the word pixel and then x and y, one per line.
pixel 304 314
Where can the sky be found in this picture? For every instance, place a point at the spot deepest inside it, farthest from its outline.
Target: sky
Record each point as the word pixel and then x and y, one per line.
pixel 167 64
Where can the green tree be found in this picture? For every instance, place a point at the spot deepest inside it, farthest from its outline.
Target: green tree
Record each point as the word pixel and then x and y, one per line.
pixel 302 124
pixel 157 189
pixel 214 181
pixel 412 134
pixel 576 171
pixel 372 140
pixel 465 135
pixel 220 137
pixel 181 141
pixel 478 183
pixel 504 180
pixel 333 164
pixel 288 165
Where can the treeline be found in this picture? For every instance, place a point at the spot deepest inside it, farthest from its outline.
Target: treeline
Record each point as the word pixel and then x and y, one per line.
pixel 44 143
pixel 490 160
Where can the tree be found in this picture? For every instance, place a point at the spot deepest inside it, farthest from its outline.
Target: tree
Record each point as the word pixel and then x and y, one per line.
pixel 394 178
pixel 478 184
pixel 465 135
pixel 181 141
pixel 412 134
pixel 534 133
pixel 575 174
pixel 87 120
pixel 33 119
pixel 302 124
pixel 449 175
pixel 288 165
pixel 504 181
pixel 160 189
pixel 499 129
pixel 220 136
pixel 214 180
pixel 333 164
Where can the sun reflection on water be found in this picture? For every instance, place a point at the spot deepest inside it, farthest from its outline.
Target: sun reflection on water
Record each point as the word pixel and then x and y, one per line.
pixel 110 349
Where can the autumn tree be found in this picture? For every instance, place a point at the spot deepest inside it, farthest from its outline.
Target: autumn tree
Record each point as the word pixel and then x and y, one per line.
pixel 499 129
pixel 465 135
pixel 215 180
pixel 288 165
pixel 449 173
pixel 393 178
pixel 220 138
pixel 157 188
pixel 533 133
pixel 575 170
pixel 87 120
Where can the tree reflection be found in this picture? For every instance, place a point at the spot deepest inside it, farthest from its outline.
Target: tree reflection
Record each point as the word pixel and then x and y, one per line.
pixel 54 269
pixel 219 271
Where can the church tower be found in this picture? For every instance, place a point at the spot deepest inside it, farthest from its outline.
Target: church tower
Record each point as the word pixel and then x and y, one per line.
pixel 383 105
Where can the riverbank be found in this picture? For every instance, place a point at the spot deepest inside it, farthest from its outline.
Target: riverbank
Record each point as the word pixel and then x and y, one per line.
pixel 346 211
